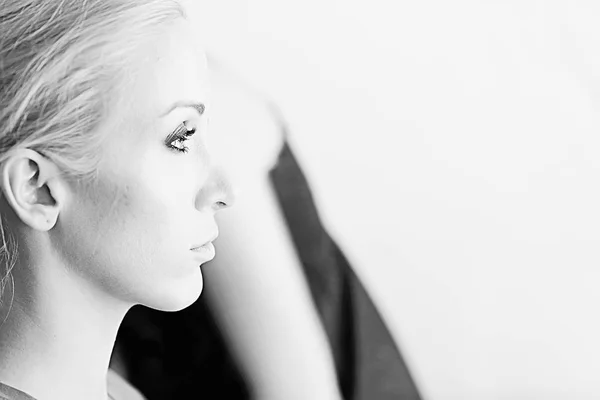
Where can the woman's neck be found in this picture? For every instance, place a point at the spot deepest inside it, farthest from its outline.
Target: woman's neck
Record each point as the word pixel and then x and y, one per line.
pixel 57 340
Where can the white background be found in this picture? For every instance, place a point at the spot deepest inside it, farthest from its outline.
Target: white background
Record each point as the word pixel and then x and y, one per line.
pixel 454 150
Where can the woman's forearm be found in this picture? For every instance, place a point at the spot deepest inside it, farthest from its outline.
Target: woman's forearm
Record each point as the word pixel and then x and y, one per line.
pixel 262 302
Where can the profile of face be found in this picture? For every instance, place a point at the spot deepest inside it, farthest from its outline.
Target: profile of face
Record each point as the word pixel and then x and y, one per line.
pixel 140 231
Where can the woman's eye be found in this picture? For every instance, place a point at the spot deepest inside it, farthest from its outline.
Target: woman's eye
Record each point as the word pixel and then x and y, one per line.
pixel 176 140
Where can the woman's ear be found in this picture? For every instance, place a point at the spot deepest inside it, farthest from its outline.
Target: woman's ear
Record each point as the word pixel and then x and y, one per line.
pixel 33 187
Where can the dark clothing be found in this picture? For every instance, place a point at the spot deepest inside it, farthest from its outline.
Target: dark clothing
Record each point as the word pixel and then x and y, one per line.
pixel 183 355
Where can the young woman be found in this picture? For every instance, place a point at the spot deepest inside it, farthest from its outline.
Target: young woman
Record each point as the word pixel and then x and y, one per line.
pixel 108 193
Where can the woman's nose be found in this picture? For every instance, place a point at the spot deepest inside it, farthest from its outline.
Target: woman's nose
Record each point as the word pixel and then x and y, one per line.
pixel 217 192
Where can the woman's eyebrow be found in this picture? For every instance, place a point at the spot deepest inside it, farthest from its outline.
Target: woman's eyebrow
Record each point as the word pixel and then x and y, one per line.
pixel 199 107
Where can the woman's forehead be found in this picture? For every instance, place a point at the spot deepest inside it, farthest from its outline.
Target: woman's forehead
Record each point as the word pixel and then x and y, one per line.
pixel 171 69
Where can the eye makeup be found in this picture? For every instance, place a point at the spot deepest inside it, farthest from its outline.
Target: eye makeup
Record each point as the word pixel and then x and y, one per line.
pixel 176 140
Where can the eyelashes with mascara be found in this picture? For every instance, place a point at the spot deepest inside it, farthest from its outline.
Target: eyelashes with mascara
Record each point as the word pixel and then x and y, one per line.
pixel 176 140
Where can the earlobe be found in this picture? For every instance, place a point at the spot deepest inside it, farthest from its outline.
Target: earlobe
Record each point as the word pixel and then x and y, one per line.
pixel 31 185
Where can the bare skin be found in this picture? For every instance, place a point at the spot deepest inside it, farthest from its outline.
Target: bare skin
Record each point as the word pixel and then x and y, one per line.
pixel 256 285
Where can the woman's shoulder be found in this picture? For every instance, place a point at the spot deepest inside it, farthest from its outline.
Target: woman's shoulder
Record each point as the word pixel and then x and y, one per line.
pixel 10 393
pixel 120 389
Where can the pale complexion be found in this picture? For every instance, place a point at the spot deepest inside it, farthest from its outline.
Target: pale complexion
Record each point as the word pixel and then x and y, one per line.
pixel 89 251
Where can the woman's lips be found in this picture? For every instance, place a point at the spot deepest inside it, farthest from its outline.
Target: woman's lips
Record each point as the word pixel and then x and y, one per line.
pixel 211 239
pixel 206 251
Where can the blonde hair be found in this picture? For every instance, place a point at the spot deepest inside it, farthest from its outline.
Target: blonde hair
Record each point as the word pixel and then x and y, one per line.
pixel 61 64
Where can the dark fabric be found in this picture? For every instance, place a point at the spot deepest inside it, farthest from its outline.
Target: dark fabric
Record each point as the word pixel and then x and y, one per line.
pixel 182 355
pixel 179 355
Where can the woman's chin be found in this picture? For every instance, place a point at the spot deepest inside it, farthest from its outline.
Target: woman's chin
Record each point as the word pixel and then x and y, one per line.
pixel 178 296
